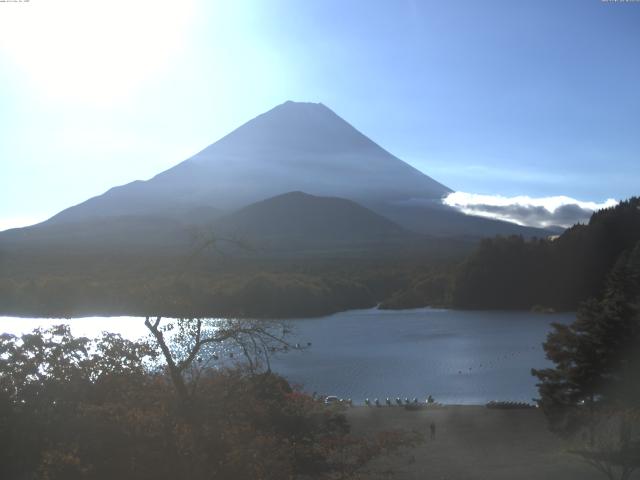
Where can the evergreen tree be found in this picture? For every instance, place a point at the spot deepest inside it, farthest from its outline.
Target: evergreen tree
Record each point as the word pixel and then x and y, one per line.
pixel 595 355
pixel 593 390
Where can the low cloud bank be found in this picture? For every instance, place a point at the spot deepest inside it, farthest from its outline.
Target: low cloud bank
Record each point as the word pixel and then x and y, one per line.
pixel 534 212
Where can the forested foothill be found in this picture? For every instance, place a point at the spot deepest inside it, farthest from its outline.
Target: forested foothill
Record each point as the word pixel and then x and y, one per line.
pixel 545 274
pixel 499 273
pixel 215 282
pixel 557 273
pixel 592 394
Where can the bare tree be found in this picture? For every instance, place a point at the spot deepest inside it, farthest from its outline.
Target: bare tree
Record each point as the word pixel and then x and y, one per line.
pixel 189 346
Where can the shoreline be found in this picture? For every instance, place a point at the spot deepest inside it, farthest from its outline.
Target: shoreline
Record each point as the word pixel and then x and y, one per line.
pixel 473 442
pixel 351 310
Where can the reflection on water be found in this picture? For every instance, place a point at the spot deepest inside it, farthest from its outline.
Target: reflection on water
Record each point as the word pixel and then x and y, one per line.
pixel 458 357
pixel 129 327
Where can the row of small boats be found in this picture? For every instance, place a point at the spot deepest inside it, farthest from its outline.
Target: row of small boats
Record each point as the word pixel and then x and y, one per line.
pixel 510 405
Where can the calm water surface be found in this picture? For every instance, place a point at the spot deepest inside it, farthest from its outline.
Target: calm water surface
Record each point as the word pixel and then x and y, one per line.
pixel 462 357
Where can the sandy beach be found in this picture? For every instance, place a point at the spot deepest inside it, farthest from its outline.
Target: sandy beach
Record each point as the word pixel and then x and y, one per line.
pixel 475 443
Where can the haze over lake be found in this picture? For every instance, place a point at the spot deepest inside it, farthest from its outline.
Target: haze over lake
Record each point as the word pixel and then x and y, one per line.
pixel 461 357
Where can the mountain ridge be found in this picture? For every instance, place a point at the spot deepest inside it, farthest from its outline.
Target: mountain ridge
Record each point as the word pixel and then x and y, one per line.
pixel 292 147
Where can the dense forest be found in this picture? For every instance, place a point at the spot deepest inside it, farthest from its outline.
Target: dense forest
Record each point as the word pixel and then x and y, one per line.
pixel 498 273
pixel 558 273
pixel 591 396
pixel 212 283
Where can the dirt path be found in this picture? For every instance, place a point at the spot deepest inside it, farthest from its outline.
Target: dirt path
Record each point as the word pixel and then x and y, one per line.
pixel 475 443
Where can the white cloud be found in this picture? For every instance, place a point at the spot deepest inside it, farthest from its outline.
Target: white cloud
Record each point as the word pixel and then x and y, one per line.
pixel 531 211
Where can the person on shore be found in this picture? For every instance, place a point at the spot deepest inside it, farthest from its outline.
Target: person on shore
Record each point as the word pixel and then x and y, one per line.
pixel 432 430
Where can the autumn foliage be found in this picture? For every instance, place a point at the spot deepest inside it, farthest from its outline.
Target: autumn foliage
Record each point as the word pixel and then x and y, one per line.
pixel 74 408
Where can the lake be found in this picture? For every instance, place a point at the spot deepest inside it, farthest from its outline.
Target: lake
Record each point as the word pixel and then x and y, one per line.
pixel 458 357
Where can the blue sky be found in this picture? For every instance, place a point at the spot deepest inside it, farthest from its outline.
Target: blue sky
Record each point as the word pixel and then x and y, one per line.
pixel 534 98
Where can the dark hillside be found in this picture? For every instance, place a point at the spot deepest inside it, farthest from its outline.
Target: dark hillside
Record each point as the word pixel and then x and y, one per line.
pixel 297 219
pixel 509 272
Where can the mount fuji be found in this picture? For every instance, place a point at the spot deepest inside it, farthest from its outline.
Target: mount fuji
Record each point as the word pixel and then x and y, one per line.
pixel 294 147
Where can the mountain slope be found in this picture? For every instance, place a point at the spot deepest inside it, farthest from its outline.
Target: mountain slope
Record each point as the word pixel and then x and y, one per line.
pixel 126 233
pixel 292 221
pixel 302 220
pixel 294 146
pixel 441 220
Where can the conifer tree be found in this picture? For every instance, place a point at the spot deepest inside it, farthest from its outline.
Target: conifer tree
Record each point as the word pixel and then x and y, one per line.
pixel 593 392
